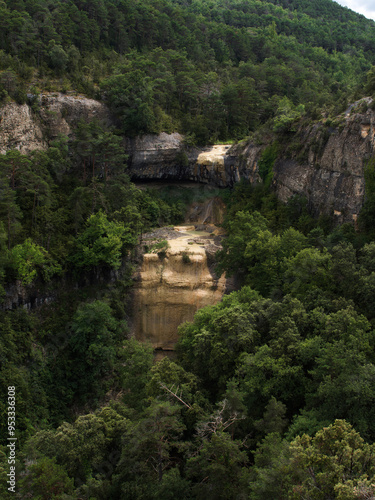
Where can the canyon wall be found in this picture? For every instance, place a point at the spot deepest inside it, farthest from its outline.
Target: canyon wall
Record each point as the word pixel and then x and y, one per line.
pixel 165 157
pixel 28 128
pixel 328 165
pixel 322 161
pixel 172 285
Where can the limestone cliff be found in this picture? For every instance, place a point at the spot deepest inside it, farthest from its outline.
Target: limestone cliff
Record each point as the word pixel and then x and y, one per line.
pixel 173 285
pixel 27 129
pixel 20 129
pixel 328 168
pixel 322 161
pixel 154 156
pixel 210 211
pixel 165 157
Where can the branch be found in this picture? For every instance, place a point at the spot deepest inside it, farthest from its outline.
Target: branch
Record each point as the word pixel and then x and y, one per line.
pixel 174 394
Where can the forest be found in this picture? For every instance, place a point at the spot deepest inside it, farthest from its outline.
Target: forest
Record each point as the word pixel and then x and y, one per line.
pixel 271 392
pixel 213 70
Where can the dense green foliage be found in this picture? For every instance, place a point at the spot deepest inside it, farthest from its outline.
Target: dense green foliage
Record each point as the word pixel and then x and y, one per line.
pixel 272 391
pixel 271 396
pixel 209 68
pixel 73 209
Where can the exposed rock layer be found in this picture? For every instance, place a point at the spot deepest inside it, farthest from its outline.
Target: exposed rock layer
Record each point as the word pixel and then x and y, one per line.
pixel 324 163
pixel 19 129
pixel 329 167
pixel 27 129
pixel 210 211
pixel 165 157
pixel 171 287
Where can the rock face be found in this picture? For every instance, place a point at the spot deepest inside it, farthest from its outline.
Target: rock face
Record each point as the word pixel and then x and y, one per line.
pixel 322 162
pixel 210 211
pixel 148 154
pixel 329 169
pixel 172 286
pixel 27 130
pixel 28 297
pixel 61 112
pixel 164 156
pixel 19 129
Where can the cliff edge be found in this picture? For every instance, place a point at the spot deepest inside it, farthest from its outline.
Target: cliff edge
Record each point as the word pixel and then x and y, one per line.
pixel 323 161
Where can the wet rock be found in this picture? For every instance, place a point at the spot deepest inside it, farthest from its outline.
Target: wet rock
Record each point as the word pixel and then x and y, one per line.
pixel 170 290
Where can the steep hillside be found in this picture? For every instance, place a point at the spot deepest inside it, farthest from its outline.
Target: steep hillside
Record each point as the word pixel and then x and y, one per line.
pixel 233 119
pixel 209 69
pixel 323 161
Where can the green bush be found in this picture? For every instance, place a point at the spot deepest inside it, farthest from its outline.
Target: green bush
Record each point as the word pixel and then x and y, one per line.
pixel 29 259
pixel 186 258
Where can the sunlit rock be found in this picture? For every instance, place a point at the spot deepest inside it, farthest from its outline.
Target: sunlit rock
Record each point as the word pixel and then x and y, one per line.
pixel 172 286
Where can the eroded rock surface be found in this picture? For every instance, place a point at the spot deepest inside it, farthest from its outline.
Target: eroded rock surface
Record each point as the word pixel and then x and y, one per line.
pixel 171 287
pixel 210 211
pixel 27 130
pixel 165 157
pixel 324 163
pixel 20 129
pixel 329 168
pixel 61 112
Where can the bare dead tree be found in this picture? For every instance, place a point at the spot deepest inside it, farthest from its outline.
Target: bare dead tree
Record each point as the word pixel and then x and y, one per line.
pixel 174 393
